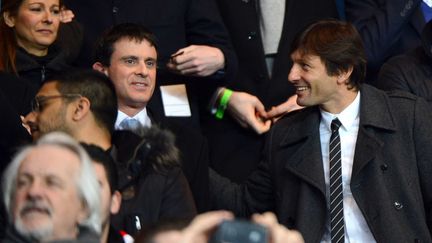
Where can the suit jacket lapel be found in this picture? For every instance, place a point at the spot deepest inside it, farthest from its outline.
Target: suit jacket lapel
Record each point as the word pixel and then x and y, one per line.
pixel 375 116
pixel 305 159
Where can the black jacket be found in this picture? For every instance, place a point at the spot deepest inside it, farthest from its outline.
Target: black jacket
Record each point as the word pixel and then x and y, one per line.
pixel 38 69
pixel 411 72
pixel 390 178
pixel 160 191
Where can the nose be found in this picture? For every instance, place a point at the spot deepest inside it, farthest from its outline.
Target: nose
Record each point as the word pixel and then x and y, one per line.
pixel 294 73
pixel 48 17
pixel 30 118
pixel 142 70
pixel 35 190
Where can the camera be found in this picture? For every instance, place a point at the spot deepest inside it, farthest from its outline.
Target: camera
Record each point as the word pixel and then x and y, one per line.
pixel 239 231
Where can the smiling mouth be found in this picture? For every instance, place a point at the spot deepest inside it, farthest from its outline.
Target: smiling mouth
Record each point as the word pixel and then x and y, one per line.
pixel 302 88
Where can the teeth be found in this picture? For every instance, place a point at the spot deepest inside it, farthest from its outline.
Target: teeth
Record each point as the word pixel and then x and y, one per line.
pixel 302 88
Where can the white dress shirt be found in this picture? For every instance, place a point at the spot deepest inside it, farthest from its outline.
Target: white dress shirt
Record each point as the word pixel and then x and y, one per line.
pixel 141 116
pixel 356 228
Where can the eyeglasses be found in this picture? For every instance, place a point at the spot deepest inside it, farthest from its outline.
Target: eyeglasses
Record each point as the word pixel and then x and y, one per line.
pixel 37 104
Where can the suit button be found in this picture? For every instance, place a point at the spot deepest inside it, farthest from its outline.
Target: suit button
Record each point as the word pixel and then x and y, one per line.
pixel 252 35
pixel 398 205
pixel 384 167
pixel 115 9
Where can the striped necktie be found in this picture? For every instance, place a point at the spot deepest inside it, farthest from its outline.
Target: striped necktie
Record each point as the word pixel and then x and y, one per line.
pixel 337 223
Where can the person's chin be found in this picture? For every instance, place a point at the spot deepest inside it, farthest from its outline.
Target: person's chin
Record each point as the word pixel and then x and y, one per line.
pixel 35 227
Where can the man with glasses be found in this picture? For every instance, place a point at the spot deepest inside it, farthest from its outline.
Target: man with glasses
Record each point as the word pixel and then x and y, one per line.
pixel 63 105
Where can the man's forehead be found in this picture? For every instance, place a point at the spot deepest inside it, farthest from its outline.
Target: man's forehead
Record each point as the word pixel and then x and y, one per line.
pixel 50 159
pixel 49 88
pixel 303 56
pixel 127 46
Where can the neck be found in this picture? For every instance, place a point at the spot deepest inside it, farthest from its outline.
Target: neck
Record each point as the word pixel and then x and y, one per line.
pixel 105 233
pixel 95 135
pixel 336 106
pixel 36 52
pixel 131 111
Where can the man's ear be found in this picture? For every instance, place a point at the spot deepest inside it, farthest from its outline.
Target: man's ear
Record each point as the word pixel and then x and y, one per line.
pixel 9 20
pixel 100 67
pixel 81 108
pixel 344 76
pixel 116 199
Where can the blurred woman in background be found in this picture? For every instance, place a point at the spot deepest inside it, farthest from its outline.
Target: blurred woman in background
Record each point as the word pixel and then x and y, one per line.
pixel 28 31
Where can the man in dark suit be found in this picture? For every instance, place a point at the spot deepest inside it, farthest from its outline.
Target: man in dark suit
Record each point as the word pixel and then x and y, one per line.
pixel 380 175
pixel 261 32
pixel 191 30
pixel 412 71
pixel 387 27
pixel 128 54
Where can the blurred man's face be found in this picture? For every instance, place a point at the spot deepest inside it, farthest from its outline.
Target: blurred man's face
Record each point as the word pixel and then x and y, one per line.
pixel 51 114
pixel 46 204
pixel 110 202
pixel 133 72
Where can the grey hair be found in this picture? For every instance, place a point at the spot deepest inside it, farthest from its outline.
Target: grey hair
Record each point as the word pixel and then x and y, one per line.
pixel 87 184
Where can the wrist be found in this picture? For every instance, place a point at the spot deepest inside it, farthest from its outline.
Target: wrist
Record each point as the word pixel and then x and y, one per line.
pixel 223 102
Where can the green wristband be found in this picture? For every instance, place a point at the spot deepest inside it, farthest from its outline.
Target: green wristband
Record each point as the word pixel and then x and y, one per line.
pixel 223 103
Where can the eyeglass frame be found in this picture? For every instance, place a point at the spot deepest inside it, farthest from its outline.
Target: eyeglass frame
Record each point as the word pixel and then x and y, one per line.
pixel 36 101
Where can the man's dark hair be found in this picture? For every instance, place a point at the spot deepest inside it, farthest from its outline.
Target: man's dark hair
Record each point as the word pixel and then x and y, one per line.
pixel 339 46
pixel 97 88
pixel 131 31
pixel 98 155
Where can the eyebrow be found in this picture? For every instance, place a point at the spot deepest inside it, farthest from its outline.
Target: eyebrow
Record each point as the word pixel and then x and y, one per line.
pixel 41 3
pixel 150 59
pixel 129 57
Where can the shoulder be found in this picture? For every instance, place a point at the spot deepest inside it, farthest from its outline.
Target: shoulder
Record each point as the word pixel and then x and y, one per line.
pixel 386 109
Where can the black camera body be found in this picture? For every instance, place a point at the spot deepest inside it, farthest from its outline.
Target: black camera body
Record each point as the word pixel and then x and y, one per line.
pixel 240 231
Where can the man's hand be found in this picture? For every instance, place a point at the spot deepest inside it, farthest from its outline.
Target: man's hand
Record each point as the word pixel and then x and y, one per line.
pixel 278 233
pixel 197 60
pixel 66 15
pixel 277 112
pixel 248 111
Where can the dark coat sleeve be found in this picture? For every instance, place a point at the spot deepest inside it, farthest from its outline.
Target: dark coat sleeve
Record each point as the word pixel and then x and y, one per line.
pixel 381 24
pixel 176 198
pixel 255 195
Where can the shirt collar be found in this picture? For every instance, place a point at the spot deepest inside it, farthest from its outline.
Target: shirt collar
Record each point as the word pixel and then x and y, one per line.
pixel 348 117
pixel 141 116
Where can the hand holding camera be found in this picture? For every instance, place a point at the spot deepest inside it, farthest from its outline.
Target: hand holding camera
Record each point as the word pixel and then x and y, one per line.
pixel 220 226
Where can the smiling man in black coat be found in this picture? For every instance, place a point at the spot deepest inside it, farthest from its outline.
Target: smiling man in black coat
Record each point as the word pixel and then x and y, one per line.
pixel 385 151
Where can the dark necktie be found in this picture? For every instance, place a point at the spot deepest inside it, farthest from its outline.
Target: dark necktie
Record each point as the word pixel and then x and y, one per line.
pixel 337 223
